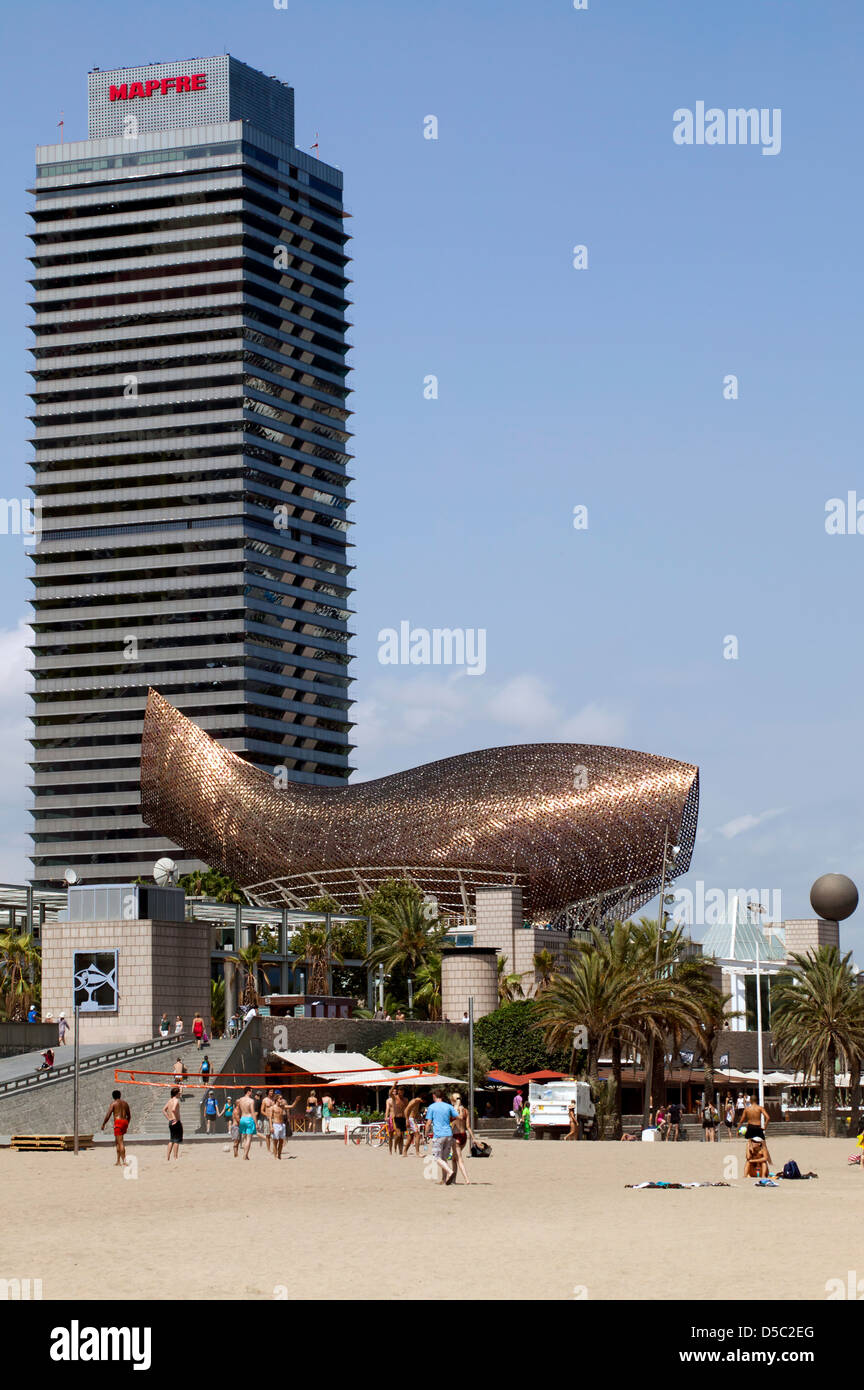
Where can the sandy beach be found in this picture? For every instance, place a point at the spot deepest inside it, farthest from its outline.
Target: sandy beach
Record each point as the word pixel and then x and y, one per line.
pixel 540 1220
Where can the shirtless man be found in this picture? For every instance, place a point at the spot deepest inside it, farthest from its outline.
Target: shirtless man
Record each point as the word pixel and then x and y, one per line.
pixel 171 1111
pixel 245 1112
pixel 119 1108
pixel 265 1119
pixel 400 1124
pixel 389 1116
pixel 756 1120
pixel 412 1119
pixel 278 1120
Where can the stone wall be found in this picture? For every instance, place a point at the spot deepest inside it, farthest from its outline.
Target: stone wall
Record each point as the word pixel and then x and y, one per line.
pixel 804 934
pixel 162 966
pixel 469 972
pixel 348 1034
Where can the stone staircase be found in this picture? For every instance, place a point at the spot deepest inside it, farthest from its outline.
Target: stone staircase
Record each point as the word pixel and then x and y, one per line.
pixel 147 1117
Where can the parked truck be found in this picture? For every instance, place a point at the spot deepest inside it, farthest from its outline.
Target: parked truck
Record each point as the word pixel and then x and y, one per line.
pixel 549 1103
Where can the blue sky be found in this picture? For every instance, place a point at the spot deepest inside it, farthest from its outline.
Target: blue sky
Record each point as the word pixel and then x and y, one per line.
pixel 557 387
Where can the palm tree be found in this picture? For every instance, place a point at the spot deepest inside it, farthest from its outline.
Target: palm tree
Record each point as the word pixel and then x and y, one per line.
pixel 544 969
pixel 20 962
pixel 317 951
pixel 405 938
pixel 713 1016
pixel 217 1008
pixel 677 1012
pixel 509 986
pixel 428 991
pixel 817 1019
pixel 248 958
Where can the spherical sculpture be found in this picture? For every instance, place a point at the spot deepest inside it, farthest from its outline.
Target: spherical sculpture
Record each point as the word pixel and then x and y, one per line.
pixel 834 897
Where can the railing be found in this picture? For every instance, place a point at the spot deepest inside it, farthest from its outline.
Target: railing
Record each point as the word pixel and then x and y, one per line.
pixel 101 1059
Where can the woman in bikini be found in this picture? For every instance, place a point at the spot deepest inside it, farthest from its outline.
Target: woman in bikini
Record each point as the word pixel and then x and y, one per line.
pixel 462 1132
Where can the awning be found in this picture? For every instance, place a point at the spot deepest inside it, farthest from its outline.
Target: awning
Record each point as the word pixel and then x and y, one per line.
pixel 506 1078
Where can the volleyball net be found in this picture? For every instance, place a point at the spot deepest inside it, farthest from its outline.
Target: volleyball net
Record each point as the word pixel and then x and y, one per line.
pixel 279 1080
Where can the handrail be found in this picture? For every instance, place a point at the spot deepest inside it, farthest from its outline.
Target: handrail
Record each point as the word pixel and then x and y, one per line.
pixel 99 1059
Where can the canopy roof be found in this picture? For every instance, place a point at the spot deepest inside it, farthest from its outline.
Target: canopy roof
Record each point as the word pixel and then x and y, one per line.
pixel 506 1078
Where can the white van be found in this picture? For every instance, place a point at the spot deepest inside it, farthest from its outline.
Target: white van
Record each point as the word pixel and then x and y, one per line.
pixel 549 1101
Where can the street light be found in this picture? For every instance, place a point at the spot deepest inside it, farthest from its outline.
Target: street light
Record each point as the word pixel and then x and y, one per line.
pixel 670 854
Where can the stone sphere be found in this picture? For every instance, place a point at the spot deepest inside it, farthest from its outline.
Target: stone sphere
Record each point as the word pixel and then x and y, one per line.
pixel 834 897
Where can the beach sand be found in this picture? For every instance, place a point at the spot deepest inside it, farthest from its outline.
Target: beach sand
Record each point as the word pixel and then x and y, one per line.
pixel 541 1220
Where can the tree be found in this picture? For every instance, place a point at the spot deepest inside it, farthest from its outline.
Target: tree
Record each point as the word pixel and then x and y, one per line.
pixel 453 1054
pixel 545 966
pixel 514 1043
pixel 217 1007
pixel 405 1049
pixel 20 971
pixel 248 958
pixel 210 883
pixel 317 951
pixel 428 992
pixel 509 986
pixel 405 938
pixel 817 1019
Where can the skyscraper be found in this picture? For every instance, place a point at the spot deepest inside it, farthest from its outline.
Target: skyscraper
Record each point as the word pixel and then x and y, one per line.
pixel 189 268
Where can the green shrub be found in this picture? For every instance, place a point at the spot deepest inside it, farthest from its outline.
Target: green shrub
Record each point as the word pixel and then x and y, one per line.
pixel 514 1044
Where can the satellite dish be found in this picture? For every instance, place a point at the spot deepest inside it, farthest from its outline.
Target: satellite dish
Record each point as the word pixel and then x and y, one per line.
pixel 165 872
pixel 70 876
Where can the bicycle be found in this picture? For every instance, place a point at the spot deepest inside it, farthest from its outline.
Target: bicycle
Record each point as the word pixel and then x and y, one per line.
pixel 374 1133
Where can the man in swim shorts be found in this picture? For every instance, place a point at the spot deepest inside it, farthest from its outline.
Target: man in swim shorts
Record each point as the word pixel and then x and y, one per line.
pixel 245 1113
pixel 278 1118
pixel 171 1111
pixel 756 1120
pixel 412 1118
pixel 400 1124
pixel 119 1108
pixel 265 1118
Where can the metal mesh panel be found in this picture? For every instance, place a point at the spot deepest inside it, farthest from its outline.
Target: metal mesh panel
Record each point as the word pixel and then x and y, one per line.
pixel 569 822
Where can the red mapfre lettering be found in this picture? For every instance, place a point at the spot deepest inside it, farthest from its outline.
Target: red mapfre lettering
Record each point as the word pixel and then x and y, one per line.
pixel 125 92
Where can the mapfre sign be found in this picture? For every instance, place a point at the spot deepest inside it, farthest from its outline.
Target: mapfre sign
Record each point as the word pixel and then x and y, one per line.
pixel 197 82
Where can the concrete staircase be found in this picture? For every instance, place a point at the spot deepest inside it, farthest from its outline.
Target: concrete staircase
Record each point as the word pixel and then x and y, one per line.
pixel 147 1102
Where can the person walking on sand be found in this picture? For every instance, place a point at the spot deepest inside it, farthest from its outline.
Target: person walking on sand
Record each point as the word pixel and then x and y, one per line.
pixel 729 1116
pixel 119 1108
pixel 265 1118
pixel 278 1120
pixel 245 1112
pixel 171 1111
pixel 400 1124
pixel 573 1121
pixel 462 1132
pixel 674 1122
pixel 232 1121
pixel 211 1111
pixel 710 1121
pixel 412 1120
pixel 439 1116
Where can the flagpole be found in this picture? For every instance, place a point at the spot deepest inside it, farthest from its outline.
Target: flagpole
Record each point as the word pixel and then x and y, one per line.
pixel 759 1025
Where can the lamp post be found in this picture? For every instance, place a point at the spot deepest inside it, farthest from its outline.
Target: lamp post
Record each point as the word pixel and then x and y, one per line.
pixel 669 857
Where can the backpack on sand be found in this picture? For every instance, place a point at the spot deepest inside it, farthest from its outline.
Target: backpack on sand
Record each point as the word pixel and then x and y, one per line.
pixel 791 1169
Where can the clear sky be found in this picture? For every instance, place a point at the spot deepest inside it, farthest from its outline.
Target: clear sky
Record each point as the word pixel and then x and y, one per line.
pixel 601 387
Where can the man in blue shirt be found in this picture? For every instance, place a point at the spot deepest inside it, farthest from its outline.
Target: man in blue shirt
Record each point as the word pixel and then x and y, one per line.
pixel 438 1117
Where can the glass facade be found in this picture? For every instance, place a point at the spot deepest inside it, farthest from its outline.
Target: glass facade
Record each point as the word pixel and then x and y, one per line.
pixel 191 466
